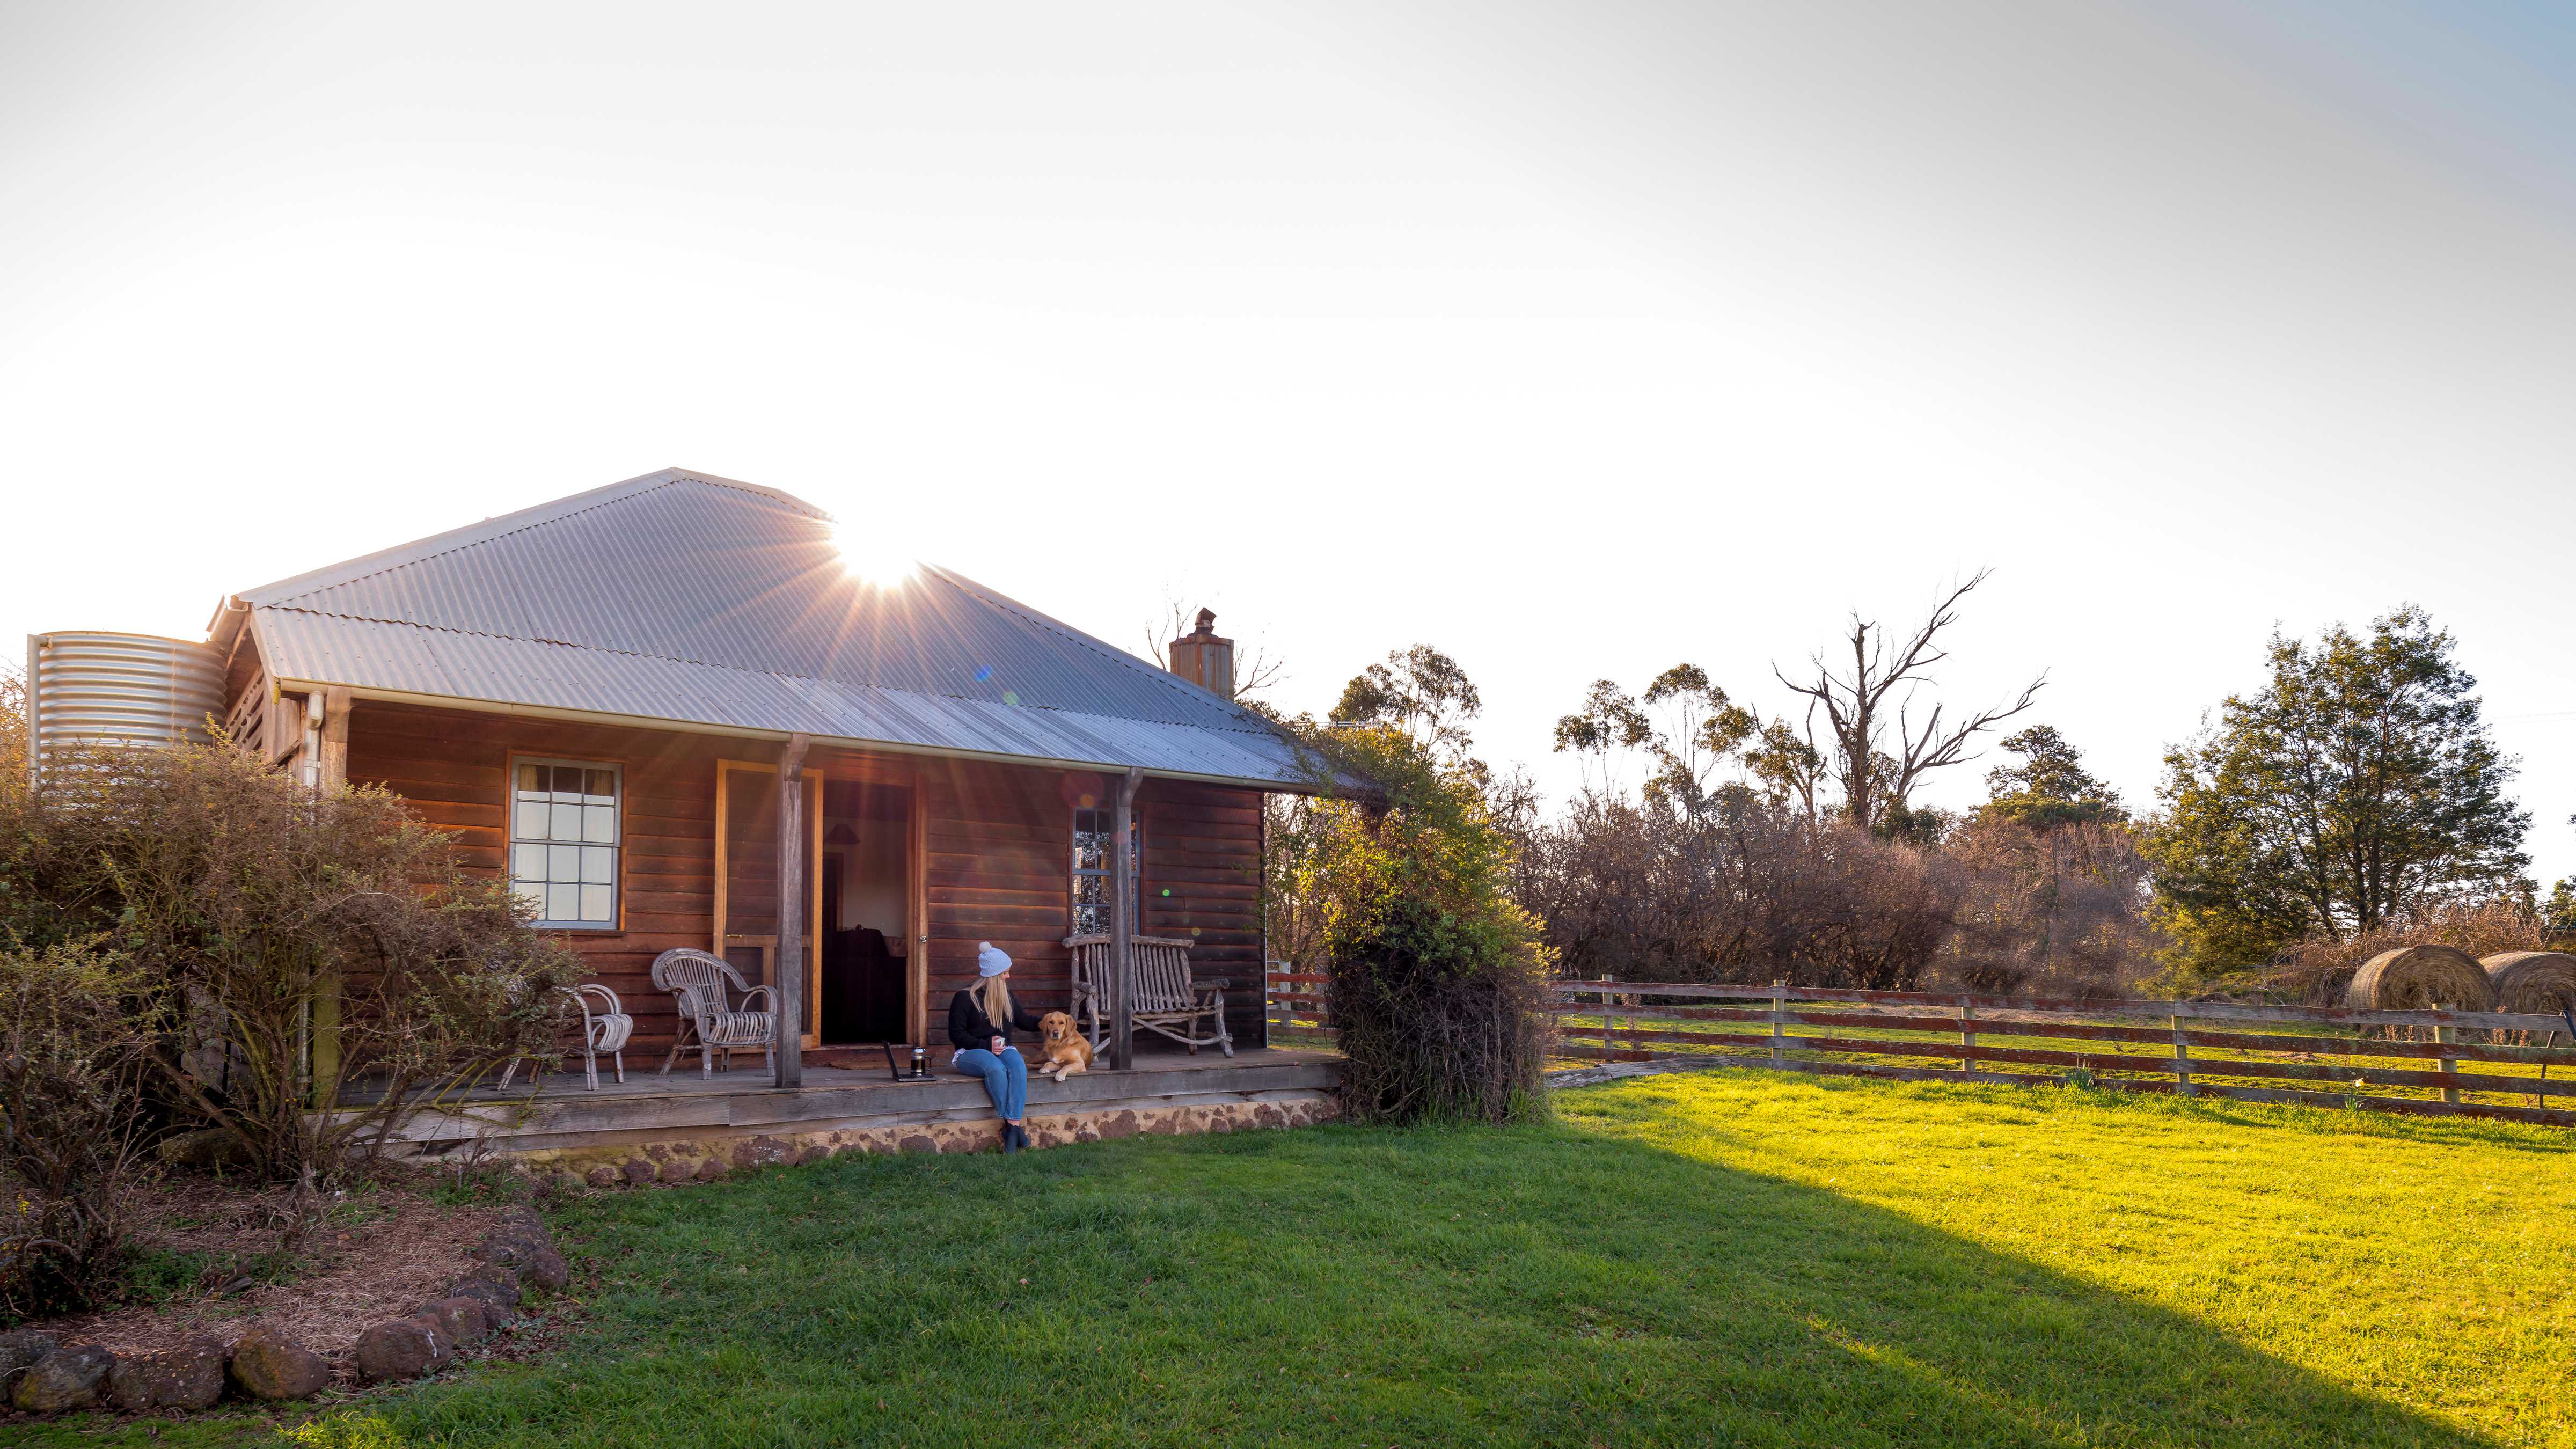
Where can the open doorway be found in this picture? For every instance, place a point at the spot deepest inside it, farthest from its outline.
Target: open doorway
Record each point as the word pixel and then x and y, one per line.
pixel 866 910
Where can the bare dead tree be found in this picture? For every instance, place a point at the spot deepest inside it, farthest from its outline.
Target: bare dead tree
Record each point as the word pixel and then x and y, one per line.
pixel 1253 674
pixel 1878 761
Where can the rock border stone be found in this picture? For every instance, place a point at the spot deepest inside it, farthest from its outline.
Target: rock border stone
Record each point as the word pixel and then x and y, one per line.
pixel 40 1374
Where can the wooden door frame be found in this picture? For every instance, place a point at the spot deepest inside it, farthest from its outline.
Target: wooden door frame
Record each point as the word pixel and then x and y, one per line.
pixel 812 778
pixel 856 767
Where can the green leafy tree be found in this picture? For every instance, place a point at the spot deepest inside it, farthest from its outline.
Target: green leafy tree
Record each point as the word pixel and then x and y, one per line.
pixel 1788 766
pixel 1419 691
pixel 1702 730
pixel 2558 913
pixel 1610 722
pixel 2050 787
pixel 1400 871
pixel 2358 784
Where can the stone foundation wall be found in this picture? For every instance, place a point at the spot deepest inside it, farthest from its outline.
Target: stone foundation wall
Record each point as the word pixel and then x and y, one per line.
pixel 704 1159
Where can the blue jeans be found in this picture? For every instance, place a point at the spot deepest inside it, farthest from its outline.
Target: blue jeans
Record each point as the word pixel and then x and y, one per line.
pixel 1006 1078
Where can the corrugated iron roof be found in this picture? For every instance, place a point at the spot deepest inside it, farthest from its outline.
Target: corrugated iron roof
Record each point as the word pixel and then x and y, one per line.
pixel 698 600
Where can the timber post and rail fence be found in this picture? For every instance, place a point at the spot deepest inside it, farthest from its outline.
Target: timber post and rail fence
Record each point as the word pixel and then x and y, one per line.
pixel 2511 1066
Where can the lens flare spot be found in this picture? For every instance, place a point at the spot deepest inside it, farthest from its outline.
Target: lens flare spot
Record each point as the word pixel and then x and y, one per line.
pixel 872 556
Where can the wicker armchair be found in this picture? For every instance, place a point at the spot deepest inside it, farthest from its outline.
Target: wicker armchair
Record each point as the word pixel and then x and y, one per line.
pixel 711 1018
pixel 605 1030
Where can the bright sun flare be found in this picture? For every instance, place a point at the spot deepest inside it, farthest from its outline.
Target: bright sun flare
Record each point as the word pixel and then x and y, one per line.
pixel 874 557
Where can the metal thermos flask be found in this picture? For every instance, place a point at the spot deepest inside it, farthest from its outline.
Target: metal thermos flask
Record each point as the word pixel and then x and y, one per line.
pixel 920 1061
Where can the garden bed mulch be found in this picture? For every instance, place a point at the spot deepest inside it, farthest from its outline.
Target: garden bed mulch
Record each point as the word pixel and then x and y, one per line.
pixel 363 1257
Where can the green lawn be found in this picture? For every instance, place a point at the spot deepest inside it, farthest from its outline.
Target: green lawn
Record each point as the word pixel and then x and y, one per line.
pixel 1702 1258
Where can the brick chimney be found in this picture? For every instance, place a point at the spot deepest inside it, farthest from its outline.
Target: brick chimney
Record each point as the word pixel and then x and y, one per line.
pixel 1204 659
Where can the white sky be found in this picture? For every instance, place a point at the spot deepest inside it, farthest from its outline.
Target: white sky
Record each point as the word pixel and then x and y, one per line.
pixel 1576 340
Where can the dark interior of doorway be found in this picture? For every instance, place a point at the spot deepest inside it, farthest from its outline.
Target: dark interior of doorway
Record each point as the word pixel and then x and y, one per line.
pixel 867 894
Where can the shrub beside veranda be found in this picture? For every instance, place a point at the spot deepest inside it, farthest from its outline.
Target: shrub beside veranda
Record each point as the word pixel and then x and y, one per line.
pixel 1437 978
pixel 291 943
pixel 77 1028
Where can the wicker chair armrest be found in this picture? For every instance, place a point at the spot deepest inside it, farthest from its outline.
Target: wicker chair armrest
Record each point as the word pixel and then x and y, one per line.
pixel 761 994
pixel 740 1028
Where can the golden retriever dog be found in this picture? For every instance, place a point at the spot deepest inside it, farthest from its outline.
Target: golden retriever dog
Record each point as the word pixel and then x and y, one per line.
pixel 1067 1050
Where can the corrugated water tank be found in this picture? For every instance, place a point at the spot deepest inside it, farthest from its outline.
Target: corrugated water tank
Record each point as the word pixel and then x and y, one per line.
pixel 86 687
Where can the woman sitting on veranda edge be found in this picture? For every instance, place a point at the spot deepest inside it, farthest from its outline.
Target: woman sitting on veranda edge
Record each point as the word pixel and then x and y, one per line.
pixel 979 1026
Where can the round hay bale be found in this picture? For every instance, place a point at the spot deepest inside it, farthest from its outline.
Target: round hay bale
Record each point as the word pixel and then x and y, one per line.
pixel 2419 978
pixel 2541 981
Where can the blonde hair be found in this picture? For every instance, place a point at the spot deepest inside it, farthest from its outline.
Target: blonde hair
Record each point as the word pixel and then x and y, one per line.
pixel 994 995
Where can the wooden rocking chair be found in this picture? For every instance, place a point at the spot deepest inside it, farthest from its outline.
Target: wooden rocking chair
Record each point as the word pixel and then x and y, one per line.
pixel 1166 999
pixel 710 1019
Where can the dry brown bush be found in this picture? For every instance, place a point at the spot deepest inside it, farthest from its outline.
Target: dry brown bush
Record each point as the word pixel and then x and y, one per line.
pixel 2053 910
pixel 76 1037
pixel 2317 971
pixel 1747 890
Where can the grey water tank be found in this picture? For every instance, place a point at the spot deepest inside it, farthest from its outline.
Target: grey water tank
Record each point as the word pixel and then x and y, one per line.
pixel 86 687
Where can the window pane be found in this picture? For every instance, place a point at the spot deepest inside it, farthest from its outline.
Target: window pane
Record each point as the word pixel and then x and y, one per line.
pixel 603 784
pixel 563 903
pixel 563 863
pixel 528 862
pixel 595 903
pixel 1091 890
pixel 532 777
pixel 533 894
pixel 566 824
pixel 598 865
pixel 568 779
pixel 599 823
pixel 532 821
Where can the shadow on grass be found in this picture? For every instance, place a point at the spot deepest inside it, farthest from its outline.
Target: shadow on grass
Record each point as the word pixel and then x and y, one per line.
pixel 1540 1285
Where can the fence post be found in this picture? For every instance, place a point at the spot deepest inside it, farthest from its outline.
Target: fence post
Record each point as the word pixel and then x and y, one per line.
pixel 1778 1005
pixel 2450 1066
pixel 1967 1038
pixel 1609 1041
pixel 2182 1062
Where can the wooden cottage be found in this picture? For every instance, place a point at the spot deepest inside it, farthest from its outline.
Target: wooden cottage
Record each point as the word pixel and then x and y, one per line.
pixel 672 716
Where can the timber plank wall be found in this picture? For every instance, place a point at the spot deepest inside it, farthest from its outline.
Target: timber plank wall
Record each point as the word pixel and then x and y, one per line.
pixel 996 865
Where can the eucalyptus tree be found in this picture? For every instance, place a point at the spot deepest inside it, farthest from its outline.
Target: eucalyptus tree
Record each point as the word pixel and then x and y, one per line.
pixel 2358 784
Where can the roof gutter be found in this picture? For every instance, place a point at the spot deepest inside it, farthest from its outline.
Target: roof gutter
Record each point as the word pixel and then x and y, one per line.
pixel 741 732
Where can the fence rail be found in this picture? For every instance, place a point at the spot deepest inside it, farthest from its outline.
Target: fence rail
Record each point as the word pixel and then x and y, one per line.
pixel 1293 1002
pixel 2397 1061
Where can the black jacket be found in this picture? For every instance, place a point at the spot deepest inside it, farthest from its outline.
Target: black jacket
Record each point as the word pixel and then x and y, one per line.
pixel 968 1026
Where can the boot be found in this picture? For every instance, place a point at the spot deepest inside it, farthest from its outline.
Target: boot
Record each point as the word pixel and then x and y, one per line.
pixel 1010 1138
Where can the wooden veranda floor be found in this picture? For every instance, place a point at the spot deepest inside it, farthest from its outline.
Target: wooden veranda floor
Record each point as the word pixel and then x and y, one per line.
pixel 560 1113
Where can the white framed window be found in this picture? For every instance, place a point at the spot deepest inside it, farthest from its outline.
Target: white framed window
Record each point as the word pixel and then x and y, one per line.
pixel 1091 831
pixel 565 825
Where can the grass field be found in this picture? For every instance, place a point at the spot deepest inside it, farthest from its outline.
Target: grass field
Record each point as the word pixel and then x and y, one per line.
pixel 1729 1257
